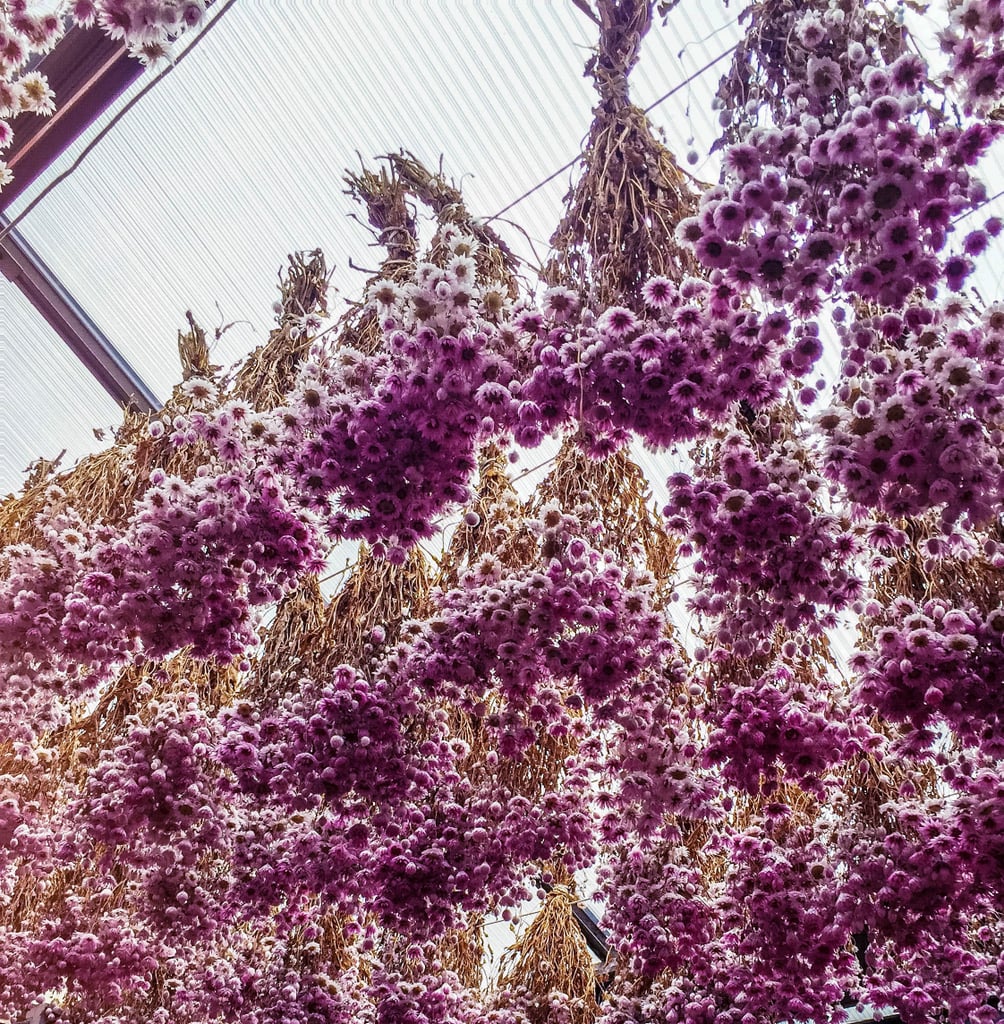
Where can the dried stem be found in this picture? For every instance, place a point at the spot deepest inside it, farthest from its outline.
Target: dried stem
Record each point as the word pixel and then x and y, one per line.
pixel 551 956
pixel 620 218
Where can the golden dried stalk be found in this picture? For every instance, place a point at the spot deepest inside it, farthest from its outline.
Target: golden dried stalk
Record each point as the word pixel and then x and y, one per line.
pixel 377 594
pixel 388 210
pixel 500 531
pixel 193 350
pixel 618 228
pixel 617 491
pixel 394 221
pixel 337 947
pixel 386 195
pixel 872 786
pixel 462 951
pixel 550 957
pixel 974 580
pixel 294 645
pixel 495 260
pixel 537 771
pixel 327 948
pixel 265 378
pixel 101 488
pixel 623 25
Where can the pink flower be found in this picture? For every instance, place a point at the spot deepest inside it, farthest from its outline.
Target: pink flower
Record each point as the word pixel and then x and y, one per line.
pixel 659 293
pixel 714 251
pixel 617 322
pixel 824 76
pixel 898 235
pixel 846 145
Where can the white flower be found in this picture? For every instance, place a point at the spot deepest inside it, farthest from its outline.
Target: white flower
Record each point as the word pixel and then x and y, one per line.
pixel 463 245
pixel 383 293
pixel 200 389
pixel 10 98
pixel 462 268
pixel 36 96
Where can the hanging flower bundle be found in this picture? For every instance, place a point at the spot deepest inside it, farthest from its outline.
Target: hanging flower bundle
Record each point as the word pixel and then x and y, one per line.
pixel 853 186
pixel 29 30
pixel 227 794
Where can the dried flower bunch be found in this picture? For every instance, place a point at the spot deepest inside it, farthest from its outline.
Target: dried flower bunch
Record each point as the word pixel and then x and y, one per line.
pixel 147 28
pixel 226 796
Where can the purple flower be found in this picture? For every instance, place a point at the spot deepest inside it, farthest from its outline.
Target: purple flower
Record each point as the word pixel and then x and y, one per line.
pixel 617 322
pixel 846 145
pixel 885 193
pixel 729 219
pixel 898 235
pixel 659 293
pixel 743 161
pixel 714 251
pixel 957 269
pixel 824 76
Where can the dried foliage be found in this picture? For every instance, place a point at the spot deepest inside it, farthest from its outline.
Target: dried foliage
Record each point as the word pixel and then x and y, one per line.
pixel 550 964
pixel 105 486
pixel 495 260
pixel 781 683
pixel 914 572
pixel 615 492
pixel 65 759
pixel 618 227
pixel 376 594
pixel 393 196
pixel 463 951
pixel 390 213
pixel 265 377
pixel 101 487
pixel 296 643
pixel 493 524
pixel 193 350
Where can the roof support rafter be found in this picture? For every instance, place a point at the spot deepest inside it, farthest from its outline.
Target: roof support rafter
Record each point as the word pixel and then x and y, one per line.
pixel 87 71
pixel 21 265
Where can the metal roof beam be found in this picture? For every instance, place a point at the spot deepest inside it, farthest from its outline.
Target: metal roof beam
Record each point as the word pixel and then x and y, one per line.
pixel 21 265
pixel 87 70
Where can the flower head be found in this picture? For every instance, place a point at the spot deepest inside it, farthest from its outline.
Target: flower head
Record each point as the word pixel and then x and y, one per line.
pixel 824 76
pixel 559 303
pixel 659 292
pixel 810 30
pixel 36 96
pixel 617 322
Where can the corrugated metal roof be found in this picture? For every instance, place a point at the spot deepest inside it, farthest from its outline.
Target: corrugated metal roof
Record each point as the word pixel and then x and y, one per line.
pixel 197 195
pixel 236 157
